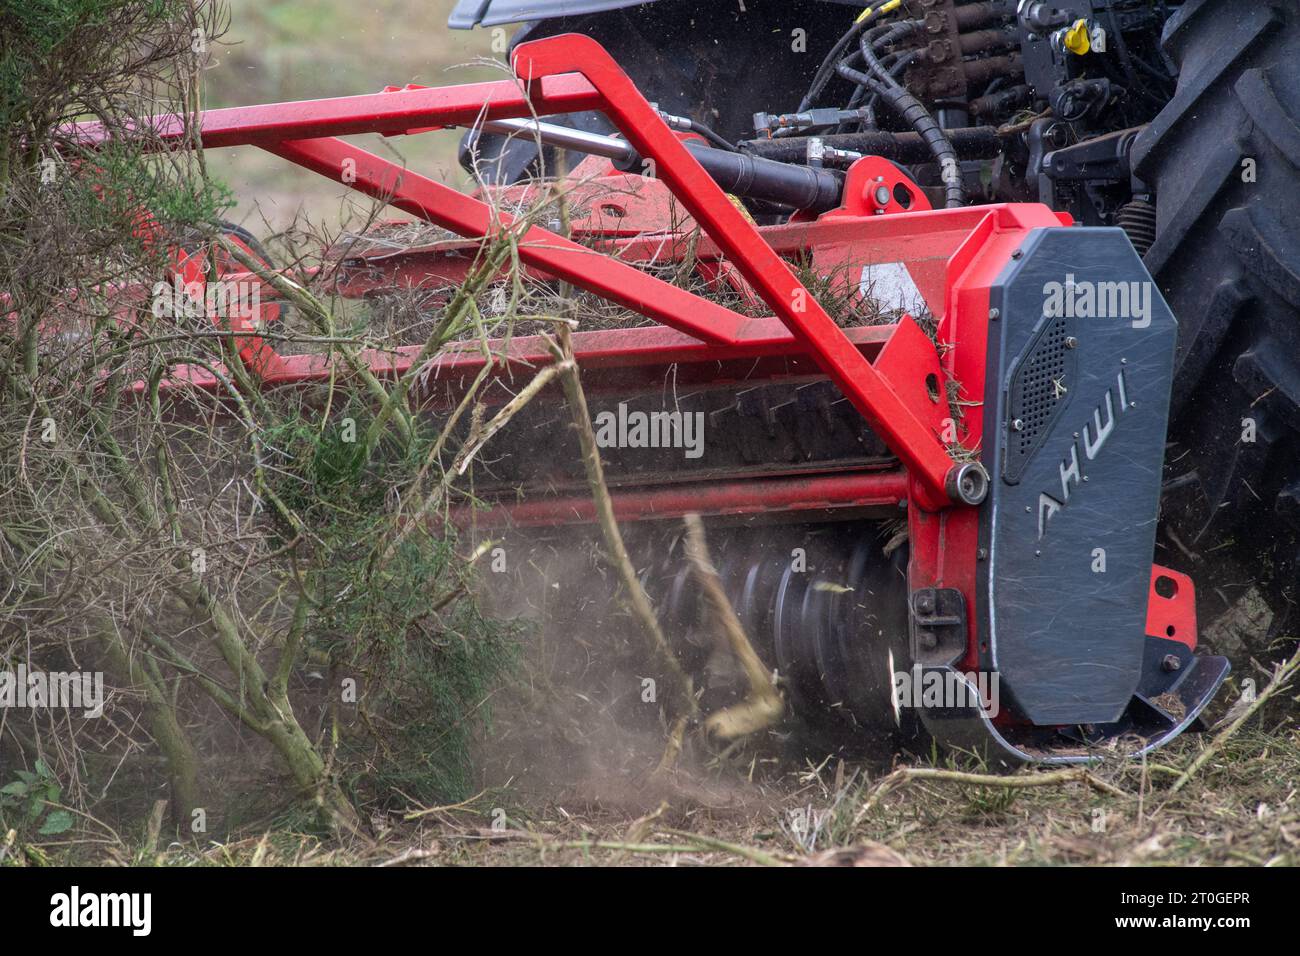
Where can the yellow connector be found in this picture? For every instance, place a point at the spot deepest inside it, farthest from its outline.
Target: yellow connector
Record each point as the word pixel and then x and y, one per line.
pixel 883 8
pixel 1076 38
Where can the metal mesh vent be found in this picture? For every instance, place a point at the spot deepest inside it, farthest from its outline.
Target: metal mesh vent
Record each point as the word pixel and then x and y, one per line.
pixel 1039 390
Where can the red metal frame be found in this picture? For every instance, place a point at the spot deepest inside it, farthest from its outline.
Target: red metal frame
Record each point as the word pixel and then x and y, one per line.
pixel 555 255
pixel 952 256
pixel 771 276
pixel 412 109
pixel 873 187
pixel 620 357
pixel 566 74
pixel 872 490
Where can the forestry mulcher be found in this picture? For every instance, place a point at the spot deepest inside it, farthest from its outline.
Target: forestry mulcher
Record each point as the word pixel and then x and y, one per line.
pixel 1080 219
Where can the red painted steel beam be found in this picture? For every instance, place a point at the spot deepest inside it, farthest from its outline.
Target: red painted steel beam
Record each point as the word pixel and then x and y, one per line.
pixel 548 69
pixel 737 237
pixel 563 258
pixel 391 112
pixel 765 346
pixel 869 490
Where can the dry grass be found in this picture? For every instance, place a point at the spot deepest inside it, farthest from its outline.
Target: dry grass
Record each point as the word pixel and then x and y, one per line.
pixel 1244 809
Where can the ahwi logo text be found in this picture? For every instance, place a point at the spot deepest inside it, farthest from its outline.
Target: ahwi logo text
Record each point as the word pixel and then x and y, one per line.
pixel 1090 441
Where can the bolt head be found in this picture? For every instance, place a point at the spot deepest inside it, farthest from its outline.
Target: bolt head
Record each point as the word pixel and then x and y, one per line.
pixel 1171 662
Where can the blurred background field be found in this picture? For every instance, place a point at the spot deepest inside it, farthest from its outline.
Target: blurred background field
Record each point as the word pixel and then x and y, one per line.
pixel 276 50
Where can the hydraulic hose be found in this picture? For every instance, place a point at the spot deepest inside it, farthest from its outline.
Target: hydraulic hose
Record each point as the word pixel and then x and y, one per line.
pixel 827 68
pixel 752 177
pixel 914 113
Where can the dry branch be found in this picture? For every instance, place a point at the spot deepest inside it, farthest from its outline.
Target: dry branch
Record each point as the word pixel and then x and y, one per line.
pixel 638 601
pixel 763 705
pixel 477 439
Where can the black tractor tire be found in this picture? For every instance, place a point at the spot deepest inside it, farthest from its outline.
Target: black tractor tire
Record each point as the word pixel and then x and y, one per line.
pixel 1223 158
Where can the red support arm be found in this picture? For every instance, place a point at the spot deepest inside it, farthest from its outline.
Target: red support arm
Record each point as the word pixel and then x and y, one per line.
pixel 561 75
pixel 884 489
pixel 770 275
pixel 393 112
pixel 563 258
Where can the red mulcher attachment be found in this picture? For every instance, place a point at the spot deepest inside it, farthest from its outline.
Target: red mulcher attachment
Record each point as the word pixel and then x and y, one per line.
pixel 1029 622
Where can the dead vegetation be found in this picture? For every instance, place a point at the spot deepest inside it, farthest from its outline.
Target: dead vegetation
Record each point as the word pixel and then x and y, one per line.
pixel 1240 809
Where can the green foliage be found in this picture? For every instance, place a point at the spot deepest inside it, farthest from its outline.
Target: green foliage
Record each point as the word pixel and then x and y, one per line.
pixel 38 35
pixel 427 667
pixel 79 224
pixel 25 803
pixel 105 195
pixel 433 677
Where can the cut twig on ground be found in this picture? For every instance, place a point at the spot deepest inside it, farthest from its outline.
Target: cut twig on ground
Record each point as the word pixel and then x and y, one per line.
pixel 1053 778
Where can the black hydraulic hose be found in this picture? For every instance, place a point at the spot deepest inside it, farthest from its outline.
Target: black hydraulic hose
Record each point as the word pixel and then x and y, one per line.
pixel 972 142
pixel 896 63
pixel 883 35
pixel 827 68
pixel 752 177
pixel 880 36
pixel 913 111
pixel 896 32
pixel 711 136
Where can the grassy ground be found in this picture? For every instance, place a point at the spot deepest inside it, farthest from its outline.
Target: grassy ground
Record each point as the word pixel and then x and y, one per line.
pixel 1242 808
